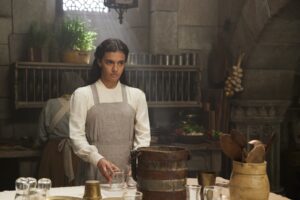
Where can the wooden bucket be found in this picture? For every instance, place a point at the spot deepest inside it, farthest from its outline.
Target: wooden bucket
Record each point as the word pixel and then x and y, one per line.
pixel 161 172
pixel 249 181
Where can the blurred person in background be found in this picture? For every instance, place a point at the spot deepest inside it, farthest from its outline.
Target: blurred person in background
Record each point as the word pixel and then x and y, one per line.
pixel 58 162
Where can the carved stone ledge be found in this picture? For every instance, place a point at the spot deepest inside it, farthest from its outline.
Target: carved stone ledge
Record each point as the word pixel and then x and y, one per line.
pixel 258 110
pixel 259 119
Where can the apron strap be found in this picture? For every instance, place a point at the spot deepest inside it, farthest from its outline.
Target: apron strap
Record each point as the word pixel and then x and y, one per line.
pixel 124 95
pixel 59 115
pixel 65 146
pixel 95 94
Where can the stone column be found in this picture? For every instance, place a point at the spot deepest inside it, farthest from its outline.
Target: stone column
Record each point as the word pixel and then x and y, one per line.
pixel 163 23
pixel 258 119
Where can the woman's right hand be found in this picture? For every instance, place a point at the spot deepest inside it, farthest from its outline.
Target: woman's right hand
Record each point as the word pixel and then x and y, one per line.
pixel 107 168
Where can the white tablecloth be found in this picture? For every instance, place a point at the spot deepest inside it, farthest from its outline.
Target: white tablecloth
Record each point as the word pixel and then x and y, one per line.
pixel 221 181
pixel 77 191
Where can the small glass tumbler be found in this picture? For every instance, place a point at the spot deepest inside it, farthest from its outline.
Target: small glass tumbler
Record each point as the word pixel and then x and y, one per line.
pixel 43 186
pixel 118 180
pixel 193 192
pixel 132 195
pixel 22 189
pixel 212 193
pixel 32 182
pixel 130 182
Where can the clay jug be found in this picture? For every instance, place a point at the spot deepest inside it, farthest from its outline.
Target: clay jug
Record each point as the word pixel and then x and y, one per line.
pixel 249 181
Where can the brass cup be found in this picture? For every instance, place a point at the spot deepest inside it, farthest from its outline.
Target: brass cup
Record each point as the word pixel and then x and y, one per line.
pixel 206 178
pixel 92 190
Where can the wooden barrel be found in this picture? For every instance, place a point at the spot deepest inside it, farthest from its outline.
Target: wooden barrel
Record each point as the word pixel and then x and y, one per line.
pixel 161 172
pixel 249 181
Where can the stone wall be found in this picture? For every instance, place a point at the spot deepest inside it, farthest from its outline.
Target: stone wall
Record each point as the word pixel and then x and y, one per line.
pixel 158 27
pixel 15 18
pixel 179 26
pixel 268 33
pixel 6 30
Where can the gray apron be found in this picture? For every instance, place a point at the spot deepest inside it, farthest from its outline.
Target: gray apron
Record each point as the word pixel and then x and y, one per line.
pixel 110 127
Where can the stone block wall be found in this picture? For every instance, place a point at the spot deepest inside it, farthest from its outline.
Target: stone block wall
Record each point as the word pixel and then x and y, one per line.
pixel 15 18
pixel 155 26
pixel 268 33
pixel 180 26
pixel 158 27
pixel 164 27
pixel 6 31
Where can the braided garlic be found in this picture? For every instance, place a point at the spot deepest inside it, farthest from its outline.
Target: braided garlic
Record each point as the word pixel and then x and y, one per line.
pixel 233 83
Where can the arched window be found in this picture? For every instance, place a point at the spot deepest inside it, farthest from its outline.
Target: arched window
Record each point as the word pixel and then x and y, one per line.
pixel 85 5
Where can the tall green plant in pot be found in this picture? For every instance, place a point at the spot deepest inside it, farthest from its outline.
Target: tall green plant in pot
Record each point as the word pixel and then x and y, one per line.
pixel 37 39
pixel 76 41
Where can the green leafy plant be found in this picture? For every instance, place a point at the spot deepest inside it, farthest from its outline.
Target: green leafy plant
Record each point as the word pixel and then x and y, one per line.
pixel 37 35
pixel 192 127
pixel 214 134
pixel 74 35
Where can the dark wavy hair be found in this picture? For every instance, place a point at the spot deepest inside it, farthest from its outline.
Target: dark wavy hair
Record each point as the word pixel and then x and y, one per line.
pixel 108 45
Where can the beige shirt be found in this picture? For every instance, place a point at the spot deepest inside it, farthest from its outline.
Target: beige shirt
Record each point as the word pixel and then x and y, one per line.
pixel 82 101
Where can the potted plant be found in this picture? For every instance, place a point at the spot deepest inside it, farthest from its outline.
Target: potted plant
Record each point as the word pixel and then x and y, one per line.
pixel 37 39
pixel 76 41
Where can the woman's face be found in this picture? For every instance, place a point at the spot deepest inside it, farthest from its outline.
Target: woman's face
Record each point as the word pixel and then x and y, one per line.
pixel 112 66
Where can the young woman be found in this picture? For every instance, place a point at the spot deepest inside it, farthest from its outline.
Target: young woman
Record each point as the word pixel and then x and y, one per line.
pixel 107 118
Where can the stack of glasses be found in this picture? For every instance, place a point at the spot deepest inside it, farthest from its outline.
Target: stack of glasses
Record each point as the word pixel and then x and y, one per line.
pixel 29 188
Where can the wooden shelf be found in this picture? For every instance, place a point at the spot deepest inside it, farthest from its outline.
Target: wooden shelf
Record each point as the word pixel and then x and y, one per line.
pixel 27 153
pixel 164 85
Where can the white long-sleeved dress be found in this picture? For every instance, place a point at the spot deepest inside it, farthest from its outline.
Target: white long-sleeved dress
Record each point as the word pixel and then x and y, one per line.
pixel 82 100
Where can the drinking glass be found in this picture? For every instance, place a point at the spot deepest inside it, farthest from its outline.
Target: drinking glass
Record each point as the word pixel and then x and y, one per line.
pixel 43 186
pixel 118 180
pixel 193 192
pixel 212 193
pixel 132 195
pixel 22 189
pixel 32 182
pixel 131 183
pixel 32 188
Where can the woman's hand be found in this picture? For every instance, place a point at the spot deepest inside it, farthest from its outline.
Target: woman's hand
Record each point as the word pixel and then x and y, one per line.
pixel 107 168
